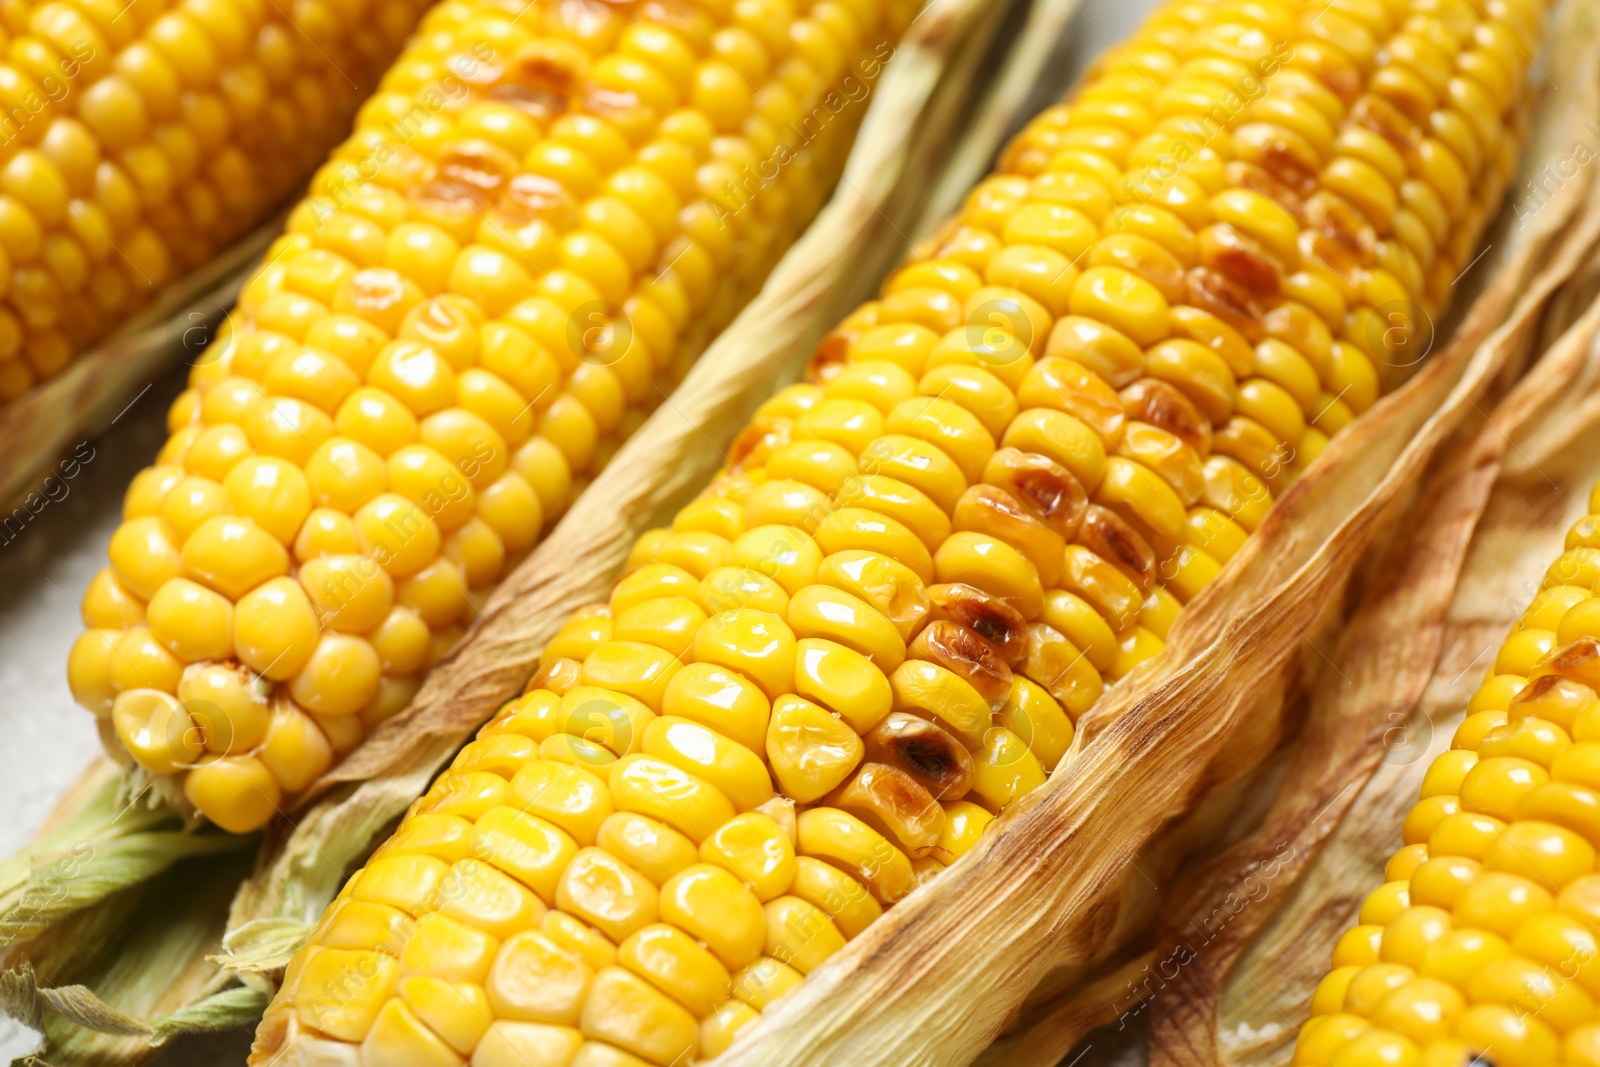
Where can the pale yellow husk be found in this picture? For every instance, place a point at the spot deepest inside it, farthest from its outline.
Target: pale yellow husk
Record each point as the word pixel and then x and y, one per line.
pixel 1460 536
pixel 1489 521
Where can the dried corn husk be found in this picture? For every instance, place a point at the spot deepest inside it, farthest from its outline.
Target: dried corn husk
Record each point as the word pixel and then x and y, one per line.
pixel 923 102
pixel 1488 526
pixel 133 931
pixel 1244 937
pixel 1056 883
pixel 1489 523
pixel 82 400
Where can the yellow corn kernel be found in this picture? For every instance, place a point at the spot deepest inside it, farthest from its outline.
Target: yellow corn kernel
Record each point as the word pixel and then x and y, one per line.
pixel 674 963
pixel 653 848
pixel 821 612
pixel 842 838
pixel 752 643
pixel 535 979
pixel 1003 482
pixel 800 934
pixel 732 769
pixel 1004 769
pixel 571 797
pixel 530 849
pixel 411 388
pixel 682 800
pixel 721 699
pixel 342 992
pixel 717 908
pixel 764 981
pixel 718 1030
pixel 241 790
pixel 607 894
pixel 843 680
pixel 457 1012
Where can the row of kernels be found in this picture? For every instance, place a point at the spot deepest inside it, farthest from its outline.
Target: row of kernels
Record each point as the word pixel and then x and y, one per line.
pixel 613 886
pixel 1446 144
pixel 632 379
pixel 855 602
pixel 1483 935
pixel 1058 386
pixel 997 207
pixel 1327 403
pixel 655 988
pixel 80 187
pixel 880 386
pixel 820 539
pixel 454 515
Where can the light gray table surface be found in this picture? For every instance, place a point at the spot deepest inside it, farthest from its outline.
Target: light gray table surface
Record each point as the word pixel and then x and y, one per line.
pixel 43 571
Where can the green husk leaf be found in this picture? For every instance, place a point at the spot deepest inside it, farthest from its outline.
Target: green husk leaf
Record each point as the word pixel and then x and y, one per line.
pixel 22 998
pixel 105 846
pixel 238 1006
pixel 262 945
pixel 107 983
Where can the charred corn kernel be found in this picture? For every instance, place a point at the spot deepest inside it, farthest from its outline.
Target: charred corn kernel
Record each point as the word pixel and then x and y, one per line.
pixel 1003 482
pixel 457 328
pixel 889 798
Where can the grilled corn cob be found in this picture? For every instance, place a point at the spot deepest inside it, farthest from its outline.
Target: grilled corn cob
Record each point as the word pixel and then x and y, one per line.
pixel 137 139
pixel 1482 941
pixel 1003 481
pixel 539 222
